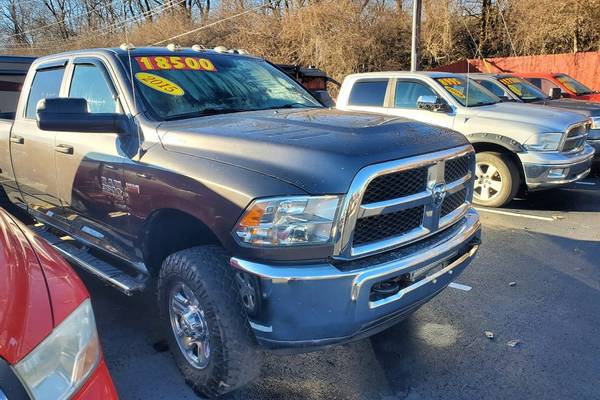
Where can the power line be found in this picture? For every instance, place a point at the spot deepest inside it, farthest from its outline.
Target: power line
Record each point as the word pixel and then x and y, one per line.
pixel 102 31
pixel 60 22
pixel 212 24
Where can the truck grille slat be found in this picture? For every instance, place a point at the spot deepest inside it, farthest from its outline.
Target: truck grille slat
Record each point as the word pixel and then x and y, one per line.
pixel 399 184
pixel 576 137
pixel 453 201
pixel 379 227
pixel 400 202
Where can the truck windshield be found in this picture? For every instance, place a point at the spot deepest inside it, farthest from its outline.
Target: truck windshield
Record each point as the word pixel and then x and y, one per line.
pixel 523 89
pixel 573 85
pixel 192 85
pixel 475 96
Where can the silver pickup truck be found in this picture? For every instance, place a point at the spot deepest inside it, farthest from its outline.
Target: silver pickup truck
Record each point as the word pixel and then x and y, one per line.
pixel 519 146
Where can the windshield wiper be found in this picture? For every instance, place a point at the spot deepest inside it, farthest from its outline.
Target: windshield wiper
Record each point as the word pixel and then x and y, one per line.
pixel 291 105
pixel 483 103
pixel 205 112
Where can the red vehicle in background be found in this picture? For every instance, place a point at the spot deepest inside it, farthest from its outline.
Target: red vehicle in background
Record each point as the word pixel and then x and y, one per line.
pixel 49 347
pixel 569 87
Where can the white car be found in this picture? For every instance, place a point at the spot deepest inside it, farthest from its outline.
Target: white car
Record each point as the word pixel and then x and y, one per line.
pixel 519 146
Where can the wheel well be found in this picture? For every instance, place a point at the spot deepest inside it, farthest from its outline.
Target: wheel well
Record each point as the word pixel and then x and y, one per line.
pixel 169 231
pixel 493 147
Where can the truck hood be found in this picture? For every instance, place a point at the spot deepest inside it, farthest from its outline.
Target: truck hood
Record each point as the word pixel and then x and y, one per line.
pixel 318 150
pixel 593 97
pixel 532 117
pixel 586 108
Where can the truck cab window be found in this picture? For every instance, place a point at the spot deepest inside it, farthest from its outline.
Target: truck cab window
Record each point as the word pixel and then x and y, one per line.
pixel 89 82
pixel 10 89
pixel 407 94
pixel 368 93
pixel 46 85
pixel 492 87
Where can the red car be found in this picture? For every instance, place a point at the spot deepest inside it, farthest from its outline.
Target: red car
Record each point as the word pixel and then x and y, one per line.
pixel 49 347
pixel 569 87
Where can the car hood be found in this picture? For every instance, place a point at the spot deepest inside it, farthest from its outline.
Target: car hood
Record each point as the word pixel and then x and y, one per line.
pixel 318 150
pixel 25 308
pixel 594 97
pixel 584 107
pixel 538 117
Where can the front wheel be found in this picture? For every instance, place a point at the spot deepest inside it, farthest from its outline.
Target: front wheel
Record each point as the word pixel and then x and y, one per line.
pixel 208 331
pixel 497 179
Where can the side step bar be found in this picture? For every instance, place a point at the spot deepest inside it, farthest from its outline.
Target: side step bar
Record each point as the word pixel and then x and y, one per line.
pixel 101 269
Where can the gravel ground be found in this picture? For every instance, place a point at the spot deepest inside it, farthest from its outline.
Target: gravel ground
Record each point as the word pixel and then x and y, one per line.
pixel 550 250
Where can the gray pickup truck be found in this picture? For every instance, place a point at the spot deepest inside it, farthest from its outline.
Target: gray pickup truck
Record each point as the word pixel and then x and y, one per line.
pixel 261 218
pixel 520 147
pixel 512 88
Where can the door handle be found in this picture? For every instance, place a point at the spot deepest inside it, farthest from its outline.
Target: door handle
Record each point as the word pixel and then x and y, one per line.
pixel 17 139
pixel 64 148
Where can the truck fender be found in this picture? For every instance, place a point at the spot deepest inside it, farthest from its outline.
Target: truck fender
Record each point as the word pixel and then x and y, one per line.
pixel 510 144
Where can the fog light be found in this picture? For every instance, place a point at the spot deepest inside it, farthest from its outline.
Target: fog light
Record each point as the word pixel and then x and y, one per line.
pixel 557 173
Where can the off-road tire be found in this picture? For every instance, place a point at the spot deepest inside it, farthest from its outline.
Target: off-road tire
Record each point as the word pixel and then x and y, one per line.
pixel 235 358
pixel 511 179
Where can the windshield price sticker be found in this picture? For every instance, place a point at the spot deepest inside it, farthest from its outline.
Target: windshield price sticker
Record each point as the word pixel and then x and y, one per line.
pixel 511 84
pixel 157 63
pixel 449 83
pixel 159 83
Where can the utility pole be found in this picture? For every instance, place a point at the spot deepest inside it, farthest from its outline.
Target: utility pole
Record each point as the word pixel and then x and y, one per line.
pixel 416 35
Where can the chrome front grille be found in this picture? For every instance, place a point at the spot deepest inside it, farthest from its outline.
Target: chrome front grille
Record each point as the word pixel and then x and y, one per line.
pixel 399 202
pixel 575 137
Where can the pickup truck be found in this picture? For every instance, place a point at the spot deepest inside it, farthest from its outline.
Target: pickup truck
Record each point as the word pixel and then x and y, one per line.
pixel 569 87
pixel 49 347
pixel 513 88
pixel 262 219
pixel 519 147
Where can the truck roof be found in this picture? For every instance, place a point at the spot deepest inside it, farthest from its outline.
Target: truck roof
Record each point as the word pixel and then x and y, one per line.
pixel 391 74
pixel 147 51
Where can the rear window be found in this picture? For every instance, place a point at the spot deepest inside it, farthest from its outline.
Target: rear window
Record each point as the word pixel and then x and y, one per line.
pixel 46 85
pixel 368 93
pixel 10 88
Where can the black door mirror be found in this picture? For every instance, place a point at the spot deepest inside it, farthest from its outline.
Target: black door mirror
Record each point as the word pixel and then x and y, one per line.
pixel 555 93
pixel 433 103
pixel 72 115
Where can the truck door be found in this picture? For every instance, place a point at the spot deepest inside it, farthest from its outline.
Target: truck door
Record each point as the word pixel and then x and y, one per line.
pixel 406 93
pixel 32 150
pixel 89 166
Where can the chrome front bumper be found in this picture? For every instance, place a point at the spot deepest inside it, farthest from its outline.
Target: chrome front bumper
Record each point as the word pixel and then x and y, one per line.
pixel 314 305
pixel 546 170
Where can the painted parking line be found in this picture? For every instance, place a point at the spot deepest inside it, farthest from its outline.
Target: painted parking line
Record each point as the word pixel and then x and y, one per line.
pixel 515 214
pixel 460 286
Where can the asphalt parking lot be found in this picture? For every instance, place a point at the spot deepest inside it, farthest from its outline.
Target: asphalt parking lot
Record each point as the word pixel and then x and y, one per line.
pixel 536 281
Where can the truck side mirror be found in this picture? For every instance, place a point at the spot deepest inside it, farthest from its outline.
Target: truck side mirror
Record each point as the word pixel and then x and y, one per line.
pixel 555 93
pixel 432 103
pixel 72 115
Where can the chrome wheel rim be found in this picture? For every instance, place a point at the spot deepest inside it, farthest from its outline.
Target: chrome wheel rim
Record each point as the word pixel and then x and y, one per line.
pixel 488 182
pixel 189 326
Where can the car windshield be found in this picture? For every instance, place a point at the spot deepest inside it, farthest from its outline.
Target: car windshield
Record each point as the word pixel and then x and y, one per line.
pixel 475 96
pixel 573 85
pixel 523 89
pixel 192 85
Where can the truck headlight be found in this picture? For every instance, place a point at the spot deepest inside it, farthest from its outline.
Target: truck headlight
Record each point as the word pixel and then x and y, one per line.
pixel 544 142
pixel 595 123
pixel 288 221
pixel 59 365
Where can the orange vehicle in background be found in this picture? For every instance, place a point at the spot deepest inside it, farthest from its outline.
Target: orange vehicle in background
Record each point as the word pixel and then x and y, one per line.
pixel 569 87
